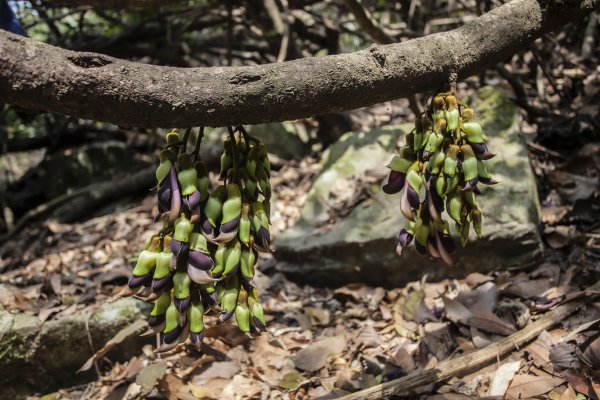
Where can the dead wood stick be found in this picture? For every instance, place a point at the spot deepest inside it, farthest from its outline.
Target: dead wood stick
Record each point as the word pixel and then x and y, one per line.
pixel 452 367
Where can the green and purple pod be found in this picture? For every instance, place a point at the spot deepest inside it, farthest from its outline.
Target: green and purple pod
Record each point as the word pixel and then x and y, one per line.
pixel 196 322
pixel 175 331
pixel 398 168
pixel 405 237
pixel 157 319
pixel 141 276
pixel 199 260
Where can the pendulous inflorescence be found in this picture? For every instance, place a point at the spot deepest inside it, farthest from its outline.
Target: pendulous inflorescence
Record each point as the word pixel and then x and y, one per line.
pixel 203 259
pixel 439 169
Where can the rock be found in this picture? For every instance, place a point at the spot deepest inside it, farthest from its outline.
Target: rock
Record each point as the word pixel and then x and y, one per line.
pixel 359 245
pixel 36 355
pixel 284 139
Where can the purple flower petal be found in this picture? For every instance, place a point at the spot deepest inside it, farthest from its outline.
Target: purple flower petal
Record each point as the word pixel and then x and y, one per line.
pixel 154 321
pixel 230 226
pixel 175 208
pixel 471 185
pixel 395 182
pixel 139 281
pixel 413 197
pixel 198 275
pixel 201 260
pixel 158 285
pixel 182 304
pixel 405 207
pixel 403 240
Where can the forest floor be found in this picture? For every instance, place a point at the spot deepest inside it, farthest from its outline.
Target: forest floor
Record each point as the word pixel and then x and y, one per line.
pixel 324 343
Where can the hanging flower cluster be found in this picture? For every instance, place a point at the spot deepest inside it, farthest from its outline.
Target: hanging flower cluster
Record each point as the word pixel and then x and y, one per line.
pixel 203 259
pixel 440 168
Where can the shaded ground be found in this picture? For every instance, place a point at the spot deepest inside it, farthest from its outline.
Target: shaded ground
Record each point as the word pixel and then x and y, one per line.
pixel 323 343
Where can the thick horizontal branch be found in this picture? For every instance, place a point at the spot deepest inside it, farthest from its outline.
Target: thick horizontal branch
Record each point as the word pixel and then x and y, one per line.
pixel 38 76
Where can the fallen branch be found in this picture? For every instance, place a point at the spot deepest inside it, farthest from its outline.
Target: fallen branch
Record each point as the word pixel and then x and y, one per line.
pixel 477 359
pixel 88 85
pixel 82 201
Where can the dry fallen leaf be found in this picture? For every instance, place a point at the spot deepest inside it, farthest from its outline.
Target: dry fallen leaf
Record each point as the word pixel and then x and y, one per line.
pixel 456 311
pixel 149 376
pixel 502 378
pixel 528 386
pixel 490 322
pixel 291 381
pixel 579 382
pixel 415 309
pixel 12 298
pixel 314 357
pixel 221 369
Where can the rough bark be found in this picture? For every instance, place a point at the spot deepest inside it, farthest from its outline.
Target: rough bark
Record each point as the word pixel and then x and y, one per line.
pixel 38 76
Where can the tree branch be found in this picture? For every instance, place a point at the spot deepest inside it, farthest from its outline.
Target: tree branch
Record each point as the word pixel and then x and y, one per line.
pixel 113 4
pixel 363 18
pixel 87 85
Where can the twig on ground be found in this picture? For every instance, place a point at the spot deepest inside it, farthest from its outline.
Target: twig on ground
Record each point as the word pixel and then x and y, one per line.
pixel 477 359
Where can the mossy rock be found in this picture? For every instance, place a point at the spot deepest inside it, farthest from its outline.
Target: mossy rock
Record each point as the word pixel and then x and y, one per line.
pixel 38 356
pixel 283 139
pixel 360 246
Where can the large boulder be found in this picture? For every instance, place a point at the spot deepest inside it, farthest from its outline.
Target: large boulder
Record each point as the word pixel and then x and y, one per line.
pixel 40 356
pixel 348 226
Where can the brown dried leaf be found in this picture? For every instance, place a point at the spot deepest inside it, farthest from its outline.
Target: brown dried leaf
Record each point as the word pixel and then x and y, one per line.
pixel 314 357
pixel 489 322
pixel 475 279
pixel 528 386
pixel 415 309
pixel 484 298
pixel 579 382
pixel 563 354
pixel 539 351
pixel 528 288
pixel 318 316
pixel 149 377
pixel 12 298
pixel 456 311
pixel 221 369
pixel 589 351
pixel 368 337
pixel 356 292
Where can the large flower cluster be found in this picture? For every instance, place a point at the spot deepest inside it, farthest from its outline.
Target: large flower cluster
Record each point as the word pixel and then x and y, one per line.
pixel 204 256
pixel 440 168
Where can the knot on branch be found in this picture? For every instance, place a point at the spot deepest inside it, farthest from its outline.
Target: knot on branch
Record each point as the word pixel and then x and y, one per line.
pixel 244 78
pixel 89 60
pixel 378 55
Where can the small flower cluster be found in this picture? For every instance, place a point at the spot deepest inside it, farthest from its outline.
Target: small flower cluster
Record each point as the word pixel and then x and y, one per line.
pixel 441 164
pixel 203 259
